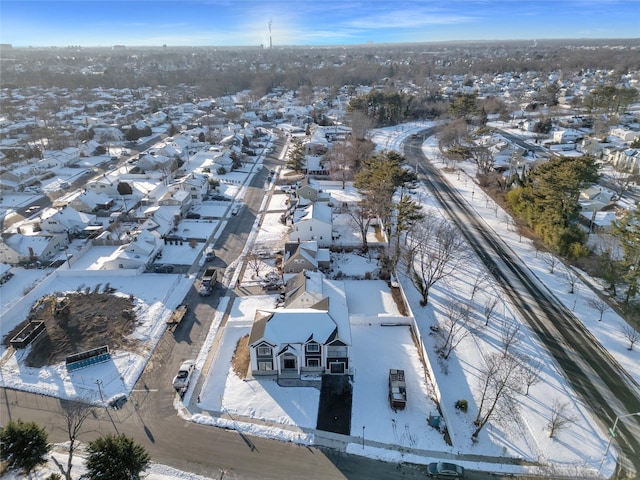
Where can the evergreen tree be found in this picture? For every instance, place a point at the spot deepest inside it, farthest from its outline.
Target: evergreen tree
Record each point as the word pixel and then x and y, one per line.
pixel 132 134
pixel 116 458
pixel 23 445
pixel 464 105
pixel 296 158
pixel 548 200
pixel 627 230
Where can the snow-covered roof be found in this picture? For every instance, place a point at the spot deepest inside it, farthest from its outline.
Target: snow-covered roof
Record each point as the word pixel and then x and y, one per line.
pixel 286 326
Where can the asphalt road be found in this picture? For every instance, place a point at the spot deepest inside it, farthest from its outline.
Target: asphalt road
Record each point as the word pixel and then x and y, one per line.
pixel 595 376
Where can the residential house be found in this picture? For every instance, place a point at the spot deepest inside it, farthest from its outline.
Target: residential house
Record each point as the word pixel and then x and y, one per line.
pixel 590 146
pixel 65 220
pixel 195 184
pixel 310 336
pixel 624 134
pixel 313 222
pixel 20 248
pixel 303 256
pixel 90 201
pixel 155 162
pixel 311 192
pixel 107 183
pixel 176 198
pixel 17 178
pixel 136 254
pixel 567 136
pixel 626 159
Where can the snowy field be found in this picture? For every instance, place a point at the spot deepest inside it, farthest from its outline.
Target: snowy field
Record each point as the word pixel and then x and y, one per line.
pixel 260 407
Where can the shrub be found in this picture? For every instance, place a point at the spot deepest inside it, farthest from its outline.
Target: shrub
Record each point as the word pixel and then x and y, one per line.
pixel 462 405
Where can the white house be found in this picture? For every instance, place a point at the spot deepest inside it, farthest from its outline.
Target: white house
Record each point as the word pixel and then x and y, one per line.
pixel 195 184
pixel 567 136
pixel 20 248
pixel 625 134
pixel 91 201
pixel 135 255
pixel 313 222
pixel 65 220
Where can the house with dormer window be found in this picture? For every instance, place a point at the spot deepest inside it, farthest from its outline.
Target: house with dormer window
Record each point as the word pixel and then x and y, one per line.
pixel 311 335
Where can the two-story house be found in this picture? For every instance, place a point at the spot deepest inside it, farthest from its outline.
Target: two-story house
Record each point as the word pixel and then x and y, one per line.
pixel 311 335
pixel 312 223
pixel 304 256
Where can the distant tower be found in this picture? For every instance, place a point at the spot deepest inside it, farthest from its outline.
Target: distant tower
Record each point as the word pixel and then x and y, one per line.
pixel 270 41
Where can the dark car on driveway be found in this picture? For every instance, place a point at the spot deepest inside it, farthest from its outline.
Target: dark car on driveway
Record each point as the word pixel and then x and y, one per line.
pixel 445 470
pixel 163 268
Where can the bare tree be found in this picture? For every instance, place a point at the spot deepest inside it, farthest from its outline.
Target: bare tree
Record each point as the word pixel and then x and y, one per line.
pixel 455 327
pixel 489 307
pixel 342 162
pixel 572 278
pixel 361 216
pixel 558 417
pixel 622 180
pixel 551 260
pixel 361 123
pixel 483 158
pixel 450 136
pixel 599 305
pixel 254 263
pixel 479 281
pixel 510 334
pixel 74 414
pixel 531 368
pixel 630 333
pixel 500 379
pixel 436 257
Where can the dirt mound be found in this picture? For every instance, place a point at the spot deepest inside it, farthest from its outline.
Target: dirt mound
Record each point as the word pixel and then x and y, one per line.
pixel 79 321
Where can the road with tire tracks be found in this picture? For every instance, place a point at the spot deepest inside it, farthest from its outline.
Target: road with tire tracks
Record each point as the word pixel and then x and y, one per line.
pixel 601 383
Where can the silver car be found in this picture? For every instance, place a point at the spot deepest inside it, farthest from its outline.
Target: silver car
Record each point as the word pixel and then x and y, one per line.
pixel 181 380
pixel 445 470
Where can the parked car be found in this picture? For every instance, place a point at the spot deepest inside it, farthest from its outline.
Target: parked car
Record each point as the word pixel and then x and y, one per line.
pixel 209 256
pixel 445 470
pixel 181 380
pixel 235 210
pixel 163 268
pixel 117 401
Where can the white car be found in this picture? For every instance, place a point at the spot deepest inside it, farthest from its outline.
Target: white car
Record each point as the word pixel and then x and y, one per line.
pixel 181 380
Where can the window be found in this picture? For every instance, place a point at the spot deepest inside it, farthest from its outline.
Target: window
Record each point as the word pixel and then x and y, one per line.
pixel 265 366
pixel 264 351
pixel 313 347
pixel 313 362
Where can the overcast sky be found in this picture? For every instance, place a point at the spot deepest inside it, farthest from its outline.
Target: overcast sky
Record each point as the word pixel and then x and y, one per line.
pixel 302 22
